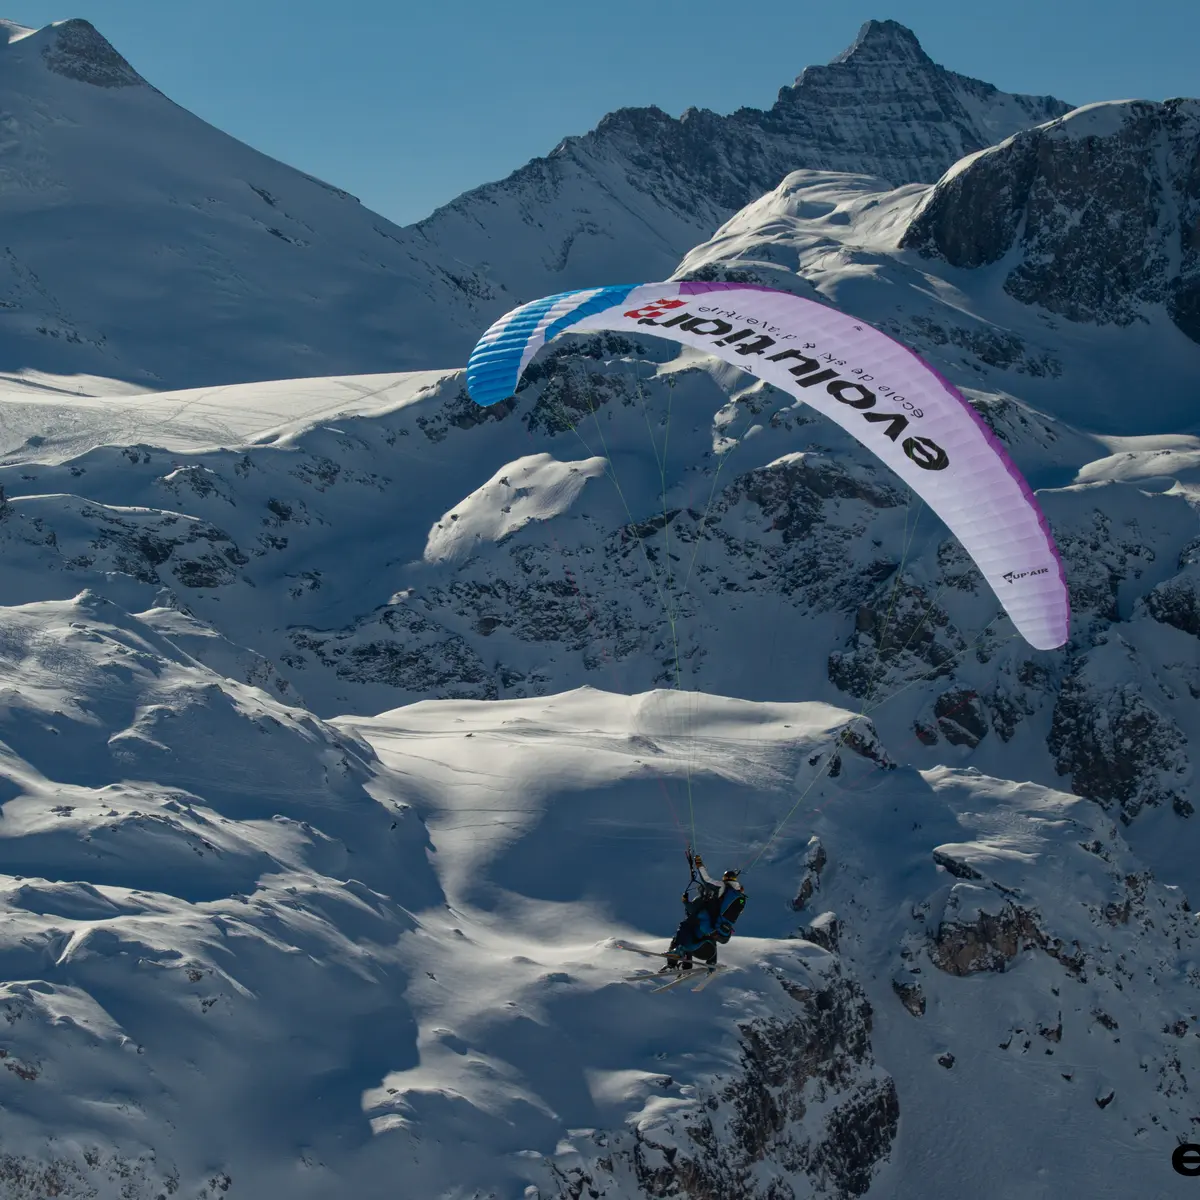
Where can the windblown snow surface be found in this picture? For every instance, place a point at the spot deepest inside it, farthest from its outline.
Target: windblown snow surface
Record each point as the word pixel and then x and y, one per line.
pixel 346 726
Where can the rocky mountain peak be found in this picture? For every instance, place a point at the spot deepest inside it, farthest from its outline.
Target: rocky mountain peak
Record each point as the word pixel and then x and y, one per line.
pixel 630 198
pixel 76 49
pixel 884 41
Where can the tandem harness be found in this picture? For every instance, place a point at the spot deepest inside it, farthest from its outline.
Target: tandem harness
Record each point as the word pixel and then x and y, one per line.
pixel 712 912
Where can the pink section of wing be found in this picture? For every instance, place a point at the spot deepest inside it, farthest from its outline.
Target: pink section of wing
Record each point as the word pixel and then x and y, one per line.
pixel 979 492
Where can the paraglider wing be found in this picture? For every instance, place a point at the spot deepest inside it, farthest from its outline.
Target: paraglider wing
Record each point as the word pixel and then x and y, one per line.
pixel 879 391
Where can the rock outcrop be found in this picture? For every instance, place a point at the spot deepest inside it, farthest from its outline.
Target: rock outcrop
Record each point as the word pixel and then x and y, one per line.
pixel 1101 207
pixel 809 1113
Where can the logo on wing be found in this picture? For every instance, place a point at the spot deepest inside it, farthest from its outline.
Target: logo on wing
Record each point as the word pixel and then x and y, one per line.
pixel 1013 576
pixel 657 309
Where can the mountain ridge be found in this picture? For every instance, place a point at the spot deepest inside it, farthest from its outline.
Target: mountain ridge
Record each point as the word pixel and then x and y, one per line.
pixel 191 259
pixel 673 181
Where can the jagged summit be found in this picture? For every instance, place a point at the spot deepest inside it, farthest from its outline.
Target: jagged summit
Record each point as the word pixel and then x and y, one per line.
pixel 630 198
pixel 76 49
pixel 73 48
pixel 883 41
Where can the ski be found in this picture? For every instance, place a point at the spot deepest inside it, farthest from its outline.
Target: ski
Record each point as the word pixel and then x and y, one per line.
pixel 710 975
pixel 680 977
pixel 699 972
pixel 639 950
pixel 700 977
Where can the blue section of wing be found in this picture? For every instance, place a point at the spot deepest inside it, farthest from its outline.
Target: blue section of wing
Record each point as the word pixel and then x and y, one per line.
pixel 605 298
pixel 495 363
pixel 493 370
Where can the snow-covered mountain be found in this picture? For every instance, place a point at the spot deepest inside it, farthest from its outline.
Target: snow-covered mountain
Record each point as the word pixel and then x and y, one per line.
pixel 142 244
pixel 391 933
pixel 627 200
pixel 1099 396
pixel 345 725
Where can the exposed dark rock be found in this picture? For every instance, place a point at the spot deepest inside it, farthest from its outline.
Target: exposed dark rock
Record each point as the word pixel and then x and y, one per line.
pixel 911 994
pixel 814 863
pixel 1005 711
pixel 966 942
pixel 825 931
pixel 573 394
pixel 1052 1033
pixel 147 544
pixel 786 1065
pixel 208 571
pixel 461 412
pixel 987 942
pixel 1177 601
pixel 903 635
pixel 791 492
pixel 1116 748
pixel 991 346
pixel 1103 204
pixel 1098 560
pixel 85 1171
pixel 399 647
pixel 925 734
pixel 961 718
pixel 78 51
pixel 956 867
pixel 808 1108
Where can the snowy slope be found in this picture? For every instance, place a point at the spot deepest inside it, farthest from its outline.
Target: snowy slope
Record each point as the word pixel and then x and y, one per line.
pixel 371 952
pixel 142 244
pixel 359 974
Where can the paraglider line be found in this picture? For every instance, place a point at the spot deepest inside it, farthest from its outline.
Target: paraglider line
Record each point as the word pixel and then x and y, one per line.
pixel 669 605
pixel 612 474
pixel 589 616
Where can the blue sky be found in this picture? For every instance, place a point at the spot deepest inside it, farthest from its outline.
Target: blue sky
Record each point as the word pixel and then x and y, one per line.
pixel 406 103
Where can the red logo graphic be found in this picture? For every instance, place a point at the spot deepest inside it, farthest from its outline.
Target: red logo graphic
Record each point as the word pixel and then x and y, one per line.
pixel 654 310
